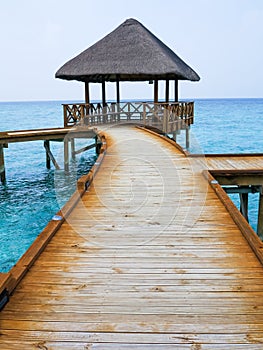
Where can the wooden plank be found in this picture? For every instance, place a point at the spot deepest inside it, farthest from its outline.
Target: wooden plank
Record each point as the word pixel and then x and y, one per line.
pixel 169 269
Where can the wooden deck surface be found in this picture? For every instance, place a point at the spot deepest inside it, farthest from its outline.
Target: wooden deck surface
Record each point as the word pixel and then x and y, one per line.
pixel 149 259
pixel 42 134
pixel 238 162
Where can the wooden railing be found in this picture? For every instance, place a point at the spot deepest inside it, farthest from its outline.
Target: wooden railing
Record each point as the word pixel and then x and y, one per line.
pixel 168 117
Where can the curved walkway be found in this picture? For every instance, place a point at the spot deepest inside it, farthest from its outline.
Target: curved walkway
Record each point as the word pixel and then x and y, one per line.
pixel 149 259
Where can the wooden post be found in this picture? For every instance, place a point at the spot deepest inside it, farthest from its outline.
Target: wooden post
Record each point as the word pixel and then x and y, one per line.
pixel 117 90
pixel 167 90
pixel 65 116
pixel 144 114
pixel 47 147
pixel 187 136
pixel 97 145
pixel 87 97
pixel 66 155
pixel 2 165
pixel 103 93
pixel 176 90
pixel 49 156
pixel 155 91
pixel 244 204
pixel 260 216
pixel 72 144
pixel 165 120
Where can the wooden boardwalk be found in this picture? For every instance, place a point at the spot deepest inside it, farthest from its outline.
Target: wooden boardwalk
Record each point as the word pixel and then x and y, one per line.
pixel 149 259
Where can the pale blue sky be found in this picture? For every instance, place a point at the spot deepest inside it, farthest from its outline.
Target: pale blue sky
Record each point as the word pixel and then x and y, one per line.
pixel 222 40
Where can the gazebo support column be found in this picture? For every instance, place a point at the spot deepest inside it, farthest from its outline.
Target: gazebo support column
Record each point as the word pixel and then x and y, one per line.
pixel 117 90
pixel 155 91
pixel 103 90
pixel 167 90
pixel 176 90
pixel 87 97
pixel 118 96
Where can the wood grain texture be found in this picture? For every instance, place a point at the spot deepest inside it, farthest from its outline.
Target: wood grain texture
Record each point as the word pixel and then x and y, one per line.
pixel 150 258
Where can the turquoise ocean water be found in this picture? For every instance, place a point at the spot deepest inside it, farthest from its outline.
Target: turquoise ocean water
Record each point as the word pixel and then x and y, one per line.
pixel 29 199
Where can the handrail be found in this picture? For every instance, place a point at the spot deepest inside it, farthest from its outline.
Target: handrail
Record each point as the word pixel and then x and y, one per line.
pixel 168 117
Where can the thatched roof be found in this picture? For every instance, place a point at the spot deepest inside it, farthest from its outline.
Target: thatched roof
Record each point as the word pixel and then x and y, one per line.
pixel 129 53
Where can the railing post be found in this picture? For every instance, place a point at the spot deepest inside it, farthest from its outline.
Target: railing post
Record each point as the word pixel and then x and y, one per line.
pixel 65 116
pixel 192 114
pixel 165 120
pixel 82 114
pixel 144 113
pixel 119 111
pixel 113 118
pixel 129 111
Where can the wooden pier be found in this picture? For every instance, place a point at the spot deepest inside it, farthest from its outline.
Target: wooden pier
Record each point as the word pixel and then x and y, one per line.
pixel 67 135
pixel 152 256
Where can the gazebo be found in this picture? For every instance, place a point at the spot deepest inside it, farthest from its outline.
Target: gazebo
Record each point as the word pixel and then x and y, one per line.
pixel 129 53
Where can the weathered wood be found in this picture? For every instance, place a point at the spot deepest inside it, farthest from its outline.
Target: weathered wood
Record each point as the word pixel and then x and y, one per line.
pixel 244 205
pixel 118 99
pixel 72 147
pixel 83 149
pixel 167 90
pixel 156 91
pixel 241 222
pixel 66 155
pixel 2 165
pixel 49 156
pixel 103 93
pixel 87 95
pixel 187 137
pixel 176 90
pixel 150 258
pixel 47 147
pixel 44 134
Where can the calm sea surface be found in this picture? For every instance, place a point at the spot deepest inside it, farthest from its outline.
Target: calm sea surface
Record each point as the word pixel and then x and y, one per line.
pixel 32 194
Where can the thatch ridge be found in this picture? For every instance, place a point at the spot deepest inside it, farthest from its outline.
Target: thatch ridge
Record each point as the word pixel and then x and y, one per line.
pixel 129 53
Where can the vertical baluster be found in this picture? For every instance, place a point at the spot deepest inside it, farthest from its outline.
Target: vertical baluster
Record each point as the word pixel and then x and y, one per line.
pixel 65 115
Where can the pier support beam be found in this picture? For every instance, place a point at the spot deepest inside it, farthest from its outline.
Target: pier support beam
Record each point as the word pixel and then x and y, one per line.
pixel 72 145
pixel 244 204
pixel 49 156
pixel 66 155
pixel 2 165
pixel 187 136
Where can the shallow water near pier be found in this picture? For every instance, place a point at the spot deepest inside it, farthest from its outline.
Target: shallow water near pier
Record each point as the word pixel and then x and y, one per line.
pixel 29 199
